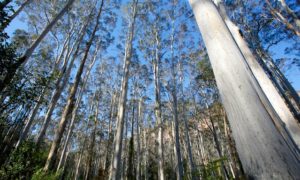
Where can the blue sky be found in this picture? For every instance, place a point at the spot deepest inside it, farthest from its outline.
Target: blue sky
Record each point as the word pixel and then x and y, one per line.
pixel 292 74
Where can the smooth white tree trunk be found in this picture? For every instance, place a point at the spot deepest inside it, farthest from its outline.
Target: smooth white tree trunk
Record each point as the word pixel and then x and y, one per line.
pixel 116 164
pixel 157 110
pixel 264 81
pixel 74 112
pixel 264 151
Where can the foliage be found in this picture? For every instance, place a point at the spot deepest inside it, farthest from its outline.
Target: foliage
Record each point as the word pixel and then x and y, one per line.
pixel 212 169
pixel 23 162
pixel 40 174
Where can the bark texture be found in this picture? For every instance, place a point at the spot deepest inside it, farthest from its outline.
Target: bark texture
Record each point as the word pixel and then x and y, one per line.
pixel 264 152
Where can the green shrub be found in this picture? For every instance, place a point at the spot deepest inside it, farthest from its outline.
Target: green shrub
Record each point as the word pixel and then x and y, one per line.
pixel 23 162
pixel 40 174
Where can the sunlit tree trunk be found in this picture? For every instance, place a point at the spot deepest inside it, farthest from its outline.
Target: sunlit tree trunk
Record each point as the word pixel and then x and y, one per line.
pixel 110 134
pixel 158 113
pixel 91 153
pixel 265 151
pixel 71 99
pixel 74 112
pixel 60 83
pixel 178 156
pixel 264 81
pixel 186 126
pixel 116 166
pixel 138 141
pixel 29 121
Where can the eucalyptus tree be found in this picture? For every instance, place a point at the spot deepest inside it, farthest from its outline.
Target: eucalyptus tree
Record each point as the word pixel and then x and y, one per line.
pixel 277 102
pixel 71 98
pixel 75 109
pixel 264 34
pixel 26 55
pixel 262 160
pixel 116 164
pixel 71 53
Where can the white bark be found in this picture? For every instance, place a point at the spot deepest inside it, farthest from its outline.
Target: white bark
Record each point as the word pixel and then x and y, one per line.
pixel 61 82
pixel 74 112
pixel 29 121
pixel 158 118
pixel 116 166
pixel 264 152
pixel 138 119
pixel 71 98
pixel 264 81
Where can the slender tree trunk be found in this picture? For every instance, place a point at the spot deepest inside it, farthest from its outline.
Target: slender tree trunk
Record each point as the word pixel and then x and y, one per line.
pixel 179 166
pixel 138 141
pixel 186 127
pixel 29 122
pixel 178 156
pixel 264 151
pixel 146 155
pixel 22 60
pixel 71 99
pixel 88 174
pixel 110 135
pixel 158 118
pixel 116 166
pixel 74 112
pixel 60 84
pixel 217 143
pixel 130 163
pixel 84 143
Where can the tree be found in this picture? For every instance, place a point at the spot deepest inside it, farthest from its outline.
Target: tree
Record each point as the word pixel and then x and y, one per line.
pixel 71 99
pixel 116 164
pixel 14 67
pixel 251 122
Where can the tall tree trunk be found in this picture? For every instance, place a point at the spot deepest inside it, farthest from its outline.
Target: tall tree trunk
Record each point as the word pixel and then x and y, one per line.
pixel 138 141
pixel 158 114
pixel 22 60
pixel 179 165
pixel 61 83
pixel 71 99
pixel 178 156
pixel 110 134
pixel 186 127
pixel 116 166
pixel 264 151
pixel 29 121
pixel 74 112
pixel 82 148
pixel 88 174
pixel 130 163
pixel 264 81
pixel 217 143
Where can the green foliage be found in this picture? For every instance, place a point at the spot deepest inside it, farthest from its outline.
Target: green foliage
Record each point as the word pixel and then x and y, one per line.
pixel 213 170
pixel 23 162
pixel 40 174
pixel 206 72
pixel 7 51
